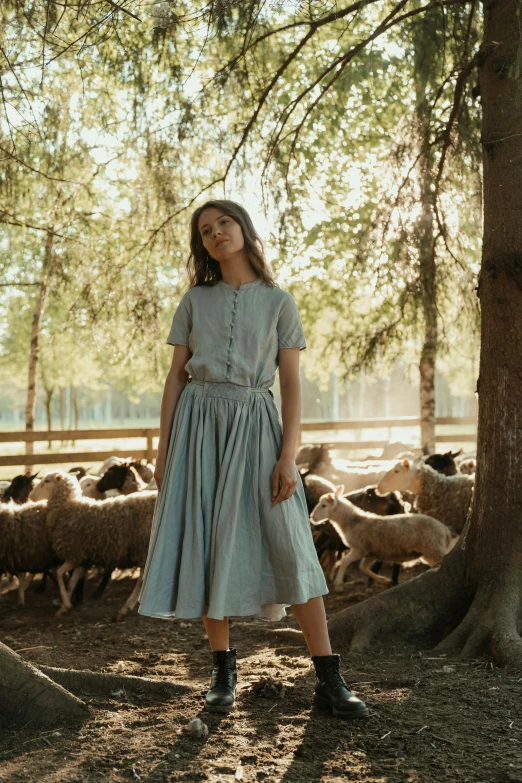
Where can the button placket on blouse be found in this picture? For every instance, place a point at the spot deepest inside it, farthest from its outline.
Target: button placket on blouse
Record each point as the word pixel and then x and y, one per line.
pixel 229 363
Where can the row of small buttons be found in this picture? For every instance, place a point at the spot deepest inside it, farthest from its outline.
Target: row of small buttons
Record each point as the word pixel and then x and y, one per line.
pixel 231 334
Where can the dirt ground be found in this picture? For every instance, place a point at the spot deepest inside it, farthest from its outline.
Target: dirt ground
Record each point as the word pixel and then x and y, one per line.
pixel 433 719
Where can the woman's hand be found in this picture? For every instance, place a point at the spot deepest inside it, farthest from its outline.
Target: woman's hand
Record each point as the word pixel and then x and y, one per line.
pixel 284 475
pixel 159 469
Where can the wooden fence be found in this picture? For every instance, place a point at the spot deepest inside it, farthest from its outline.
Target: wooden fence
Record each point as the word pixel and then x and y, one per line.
pixel 149 452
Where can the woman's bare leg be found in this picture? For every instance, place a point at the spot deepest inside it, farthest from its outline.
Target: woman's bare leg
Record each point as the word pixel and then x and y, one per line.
pixel 217 632
pixel 312 619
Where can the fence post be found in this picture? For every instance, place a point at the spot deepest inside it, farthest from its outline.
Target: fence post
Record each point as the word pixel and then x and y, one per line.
pixel 150 446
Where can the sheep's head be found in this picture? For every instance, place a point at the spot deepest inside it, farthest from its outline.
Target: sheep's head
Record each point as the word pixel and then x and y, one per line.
pixel 20 488
pixel 326 505
pixel 312 455
pixel 89 487
pixel 400 478
pixel 133 482
pixel 443 463
pixel 46 487
pixel 368 499
pixel 124 478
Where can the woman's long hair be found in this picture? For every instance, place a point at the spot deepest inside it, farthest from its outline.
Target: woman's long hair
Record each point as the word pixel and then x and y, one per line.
pixel 202 269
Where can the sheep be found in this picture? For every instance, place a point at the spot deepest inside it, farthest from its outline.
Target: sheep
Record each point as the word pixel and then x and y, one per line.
pixel 383 505
pixel 117 480
pixel 326 539
pixel 145 470
pixel 393 449
pixel 89 487
pixel 366 498
pixel 20 487
pixel 399 538
pixel 468 467
pixel 447 498
pixel 317 459
pixel 314 486
pixel 25 546
pixel 443 463
pixel 123 478
pixel 113 533
pixel 109 462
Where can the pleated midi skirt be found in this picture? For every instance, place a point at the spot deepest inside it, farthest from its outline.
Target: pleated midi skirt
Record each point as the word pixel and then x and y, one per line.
pixel 216 539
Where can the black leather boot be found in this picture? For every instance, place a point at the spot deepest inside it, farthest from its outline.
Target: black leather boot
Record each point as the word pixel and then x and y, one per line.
pixel 222 692
pixel 331 691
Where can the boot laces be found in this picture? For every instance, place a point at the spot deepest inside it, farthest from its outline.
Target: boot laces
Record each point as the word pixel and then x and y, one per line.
pixel 223 671
pixel 334 675
pixel 222 675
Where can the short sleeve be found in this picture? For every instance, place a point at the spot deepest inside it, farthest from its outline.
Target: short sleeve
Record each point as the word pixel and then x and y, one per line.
pixel 181 324
pixel 290 332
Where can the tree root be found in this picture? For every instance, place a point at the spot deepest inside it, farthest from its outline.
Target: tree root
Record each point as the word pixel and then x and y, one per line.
pixel 105 684
pixel 413 615
pixel 438 610
pixel 29 696
pixel 490 626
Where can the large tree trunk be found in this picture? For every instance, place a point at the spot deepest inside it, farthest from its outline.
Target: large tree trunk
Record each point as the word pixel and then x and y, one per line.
pixel 425 48
pixel 472 604
pixel 35 334
pixel 27 695
pixel 429 349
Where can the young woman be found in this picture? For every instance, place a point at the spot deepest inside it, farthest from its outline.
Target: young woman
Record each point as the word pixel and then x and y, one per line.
pixel 231 533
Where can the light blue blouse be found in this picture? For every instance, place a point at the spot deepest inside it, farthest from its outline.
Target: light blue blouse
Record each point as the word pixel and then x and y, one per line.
pixel 235 335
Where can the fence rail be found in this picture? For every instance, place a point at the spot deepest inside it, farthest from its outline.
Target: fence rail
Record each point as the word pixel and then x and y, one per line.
pixel 148 434
pixel 149 452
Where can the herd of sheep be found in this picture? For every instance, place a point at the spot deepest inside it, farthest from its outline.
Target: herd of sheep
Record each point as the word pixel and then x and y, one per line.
pixel 411 509
pixel 393 511
pixel 69 523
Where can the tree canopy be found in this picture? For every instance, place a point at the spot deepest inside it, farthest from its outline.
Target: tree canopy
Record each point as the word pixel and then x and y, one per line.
pixel 117 117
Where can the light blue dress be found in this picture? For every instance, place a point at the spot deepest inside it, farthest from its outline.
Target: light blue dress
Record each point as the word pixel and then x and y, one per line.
pixel 216 538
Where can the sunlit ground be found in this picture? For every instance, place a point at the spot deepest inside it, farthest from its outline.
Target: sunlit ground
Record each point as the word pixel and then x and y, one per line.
pixel 432 718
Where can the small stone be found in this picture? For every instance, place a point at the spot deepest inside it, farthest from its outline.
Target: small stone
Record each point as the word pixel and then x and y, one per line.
pixel 197 728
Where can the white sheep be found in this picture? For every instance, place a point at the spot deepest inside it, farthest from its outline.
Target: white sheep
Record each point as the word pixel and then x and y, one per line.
pixel 467 467
pixel 397 539
pixel 317 459
pixel 89 487
pixel 132 483
pixel 111 461
pixel 25 547
pixel 112 533
pixel 446 498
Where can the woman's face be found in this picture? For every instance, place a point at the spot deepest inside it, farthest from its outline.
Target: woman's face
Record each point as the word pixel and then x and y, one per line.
pixel 221 235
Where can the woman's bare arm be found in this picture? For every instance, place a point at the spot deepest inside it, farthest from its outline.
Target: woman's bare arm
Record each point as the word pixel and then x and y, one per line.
pixel 175 382
pixel 283 478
